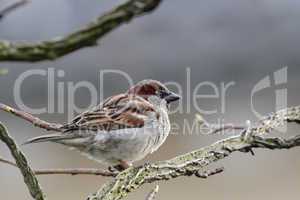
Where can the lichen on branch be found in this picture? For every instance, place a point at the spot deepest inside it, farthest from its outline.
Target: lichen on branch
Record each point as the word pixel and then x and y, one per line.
pixel 87 36
pixel 21 162
pixel 190 163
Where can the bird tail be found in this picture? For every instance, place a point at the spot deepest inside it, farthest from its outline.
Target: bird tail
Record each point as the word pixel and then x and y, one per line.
pixel 49 138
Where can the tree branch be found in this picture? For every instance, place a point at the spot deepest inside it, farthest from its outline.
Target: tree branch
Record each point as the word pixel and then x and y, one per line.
pixel 88 36
pixel 190 163
pixel 153 193
pixel 28 175
pixel 213 129
pixel 76 171
pixel 71 171
pixel 31 119
pixel 13 6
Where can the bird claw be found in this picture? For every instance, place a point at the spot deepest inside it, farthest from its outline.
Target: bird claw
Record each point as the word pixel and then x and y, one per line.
pixel 120 167
pixel 248 150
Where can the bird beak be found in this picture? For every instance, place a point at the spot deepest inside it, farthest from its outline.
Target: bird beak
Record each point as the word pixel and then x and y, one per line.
pixel 172 97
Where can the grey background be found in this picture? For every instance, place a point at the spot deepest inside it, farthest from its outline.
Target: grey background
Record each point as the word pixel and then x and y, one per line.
pixel 221 41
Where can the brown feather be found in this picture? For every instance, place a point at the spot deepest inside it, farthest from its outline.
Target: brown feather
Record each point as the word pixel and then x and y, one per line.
pixel 117 112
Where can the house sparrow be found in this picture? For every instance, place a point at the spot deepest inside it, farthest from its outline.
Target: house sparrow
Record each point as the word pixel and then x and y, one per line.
pixel 123 128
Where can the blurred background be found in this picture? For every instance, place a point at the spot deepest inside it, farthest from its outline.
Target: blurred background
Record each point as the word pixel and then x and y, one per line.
pixel 218 41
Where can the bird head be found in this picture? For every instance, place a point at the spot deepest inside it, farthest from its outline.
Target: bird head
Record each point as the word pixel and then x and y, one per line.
pixel 149 88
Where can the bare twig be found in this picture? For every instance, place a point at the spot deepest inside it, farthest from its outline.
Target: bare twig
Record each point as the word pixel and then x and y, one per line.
pixel 28 175
pixel 152 194
pixel 190 163
pixel 77 171
pixel 225 127
pixel 88 36
pixel 12 7
pixel 32 119
pixel 212 129
pixel 8 162
pixel 71 171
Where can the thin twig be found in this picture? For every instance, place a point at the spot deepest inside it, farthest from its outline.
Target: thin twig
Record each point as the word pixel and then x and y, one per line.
pixel 8 162
pixel 71 171
pixel 12 7
pixel 77 171
pixel 31 119
pixel 86 37
pixel 28 175
pixel 204 125
pixel 225 127
pixel 152 194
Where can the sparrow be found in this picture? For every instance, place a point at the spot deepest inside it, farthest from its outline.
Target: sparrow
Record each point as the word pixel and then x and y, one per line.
pixel 123 128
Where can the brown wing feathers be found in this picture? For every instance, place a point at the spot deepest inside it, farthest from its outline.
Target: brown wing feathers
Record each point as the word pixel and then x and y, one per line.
pixel 121 111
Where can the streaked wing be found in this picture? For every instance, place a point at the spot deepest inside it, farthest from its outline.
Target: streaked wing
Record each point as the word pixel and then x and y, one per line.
pixel 117 112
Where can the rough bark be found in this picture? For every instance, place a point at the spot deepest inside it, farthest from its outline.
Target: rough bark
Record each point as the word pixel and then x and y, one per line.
pixel 21 161
pixel 190 163
pixel 87 36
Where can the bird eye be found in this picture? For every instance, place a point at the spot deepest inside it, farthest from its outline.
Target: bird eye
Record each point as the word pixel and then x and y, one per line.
pixel 163 94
